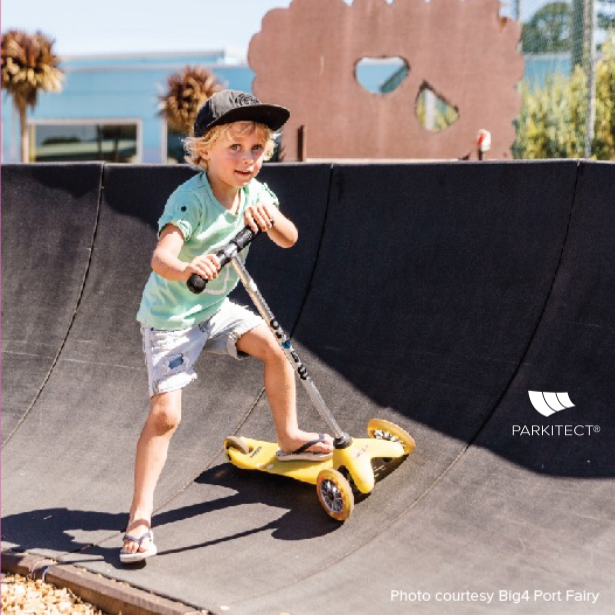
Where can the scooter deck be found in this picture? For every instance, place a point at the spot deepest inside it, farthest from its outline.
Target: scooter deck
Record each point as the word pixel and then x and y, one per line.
pixel 356 458
pixel 262 456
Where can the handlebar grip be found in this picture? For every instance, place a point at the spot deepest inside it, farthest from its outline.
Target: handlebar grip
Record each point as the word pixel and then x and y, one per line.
pixel 244 237
pixel 197 284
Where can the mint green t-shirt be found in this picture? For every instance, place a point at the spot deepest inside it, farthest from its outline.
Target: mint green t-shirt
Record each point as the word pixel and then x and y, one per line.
pixel 206 226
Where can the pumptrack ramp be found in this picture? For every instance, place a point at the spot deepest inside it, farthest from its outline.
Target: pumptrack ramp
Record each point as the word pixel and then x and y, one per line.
pixel 433 295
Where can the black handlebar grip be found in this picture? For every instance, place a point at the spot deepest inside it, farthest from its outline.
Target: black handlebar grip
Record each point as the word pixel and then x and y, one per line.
pixel 244 237
pixel 197 284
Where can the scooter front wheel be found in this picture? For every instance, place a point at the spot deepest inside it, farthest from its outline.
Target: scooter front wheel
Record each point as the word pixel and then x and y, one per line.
pixel 385 430
pixel 335 494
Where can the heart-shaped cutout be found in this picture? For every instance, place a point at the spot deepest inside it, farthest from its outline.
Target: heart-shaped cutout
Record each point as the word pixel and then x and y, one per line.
pixel 381 75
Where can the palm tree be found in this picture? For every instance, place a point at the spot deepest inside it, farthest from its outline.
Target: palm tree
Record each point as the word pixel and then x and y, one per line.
pixel 186 92
pixel 28 66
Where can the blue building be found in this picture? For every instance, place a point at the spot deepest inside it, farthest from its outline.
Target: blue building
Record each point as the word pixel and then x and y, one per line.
pixel 108 107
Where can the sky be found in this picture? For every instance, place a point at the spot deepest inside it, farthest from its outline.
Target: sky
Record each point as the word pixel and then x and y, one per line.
pixel 127 26
pixel 132 26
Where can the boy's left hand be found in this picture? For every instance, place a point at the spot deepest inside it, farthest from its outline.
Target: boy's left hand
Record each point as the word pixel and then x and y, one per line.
pixel 260 217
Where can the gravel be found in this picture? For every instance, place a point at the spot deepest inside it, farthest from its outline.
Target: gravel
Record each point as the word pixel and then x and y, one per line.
pixel 21 595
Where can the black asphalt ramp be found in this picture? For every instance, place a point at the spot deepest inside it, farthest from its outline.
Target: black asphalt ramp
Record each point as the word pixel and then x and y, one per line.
pixel 49 218
pixel 433 295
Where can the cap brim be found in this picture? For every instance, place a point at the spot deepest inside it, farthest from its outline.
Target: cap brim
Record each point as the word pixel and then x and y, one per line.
pixel 273 116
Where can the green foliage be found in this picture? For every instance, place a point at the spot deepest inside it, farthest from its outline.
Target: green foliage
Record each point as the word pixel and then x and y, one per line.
pixel 606 16
pixel 548 30
pixel 604 139
pixel 445 115
pixel 552 119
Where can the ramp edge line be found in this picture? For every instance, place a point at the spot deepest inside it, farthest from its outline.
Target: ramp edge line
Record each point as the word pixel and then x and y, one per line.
pixel 101 185
pixel 323 228
pixel 540 317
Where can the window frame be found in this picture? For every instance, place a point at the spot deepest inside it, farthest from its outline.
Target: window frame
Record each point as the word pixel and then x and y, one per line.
pixel 164 142
pixel 121 121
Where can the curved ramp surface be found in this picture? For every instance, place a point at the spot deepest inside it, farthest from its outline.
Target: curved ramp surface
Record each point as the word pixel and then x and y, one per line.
pixel 49 217
pixel 433 295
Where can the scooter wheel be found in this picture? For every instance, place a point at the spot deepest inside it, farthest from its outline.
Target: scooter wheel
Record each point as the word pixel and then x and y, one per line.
pixel 335 494
pixel 236 443
pixel 385 430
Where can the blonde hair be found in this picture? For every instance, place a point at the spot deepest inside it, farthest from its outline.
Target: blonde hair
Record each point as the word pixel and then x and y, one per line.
pixel 194 145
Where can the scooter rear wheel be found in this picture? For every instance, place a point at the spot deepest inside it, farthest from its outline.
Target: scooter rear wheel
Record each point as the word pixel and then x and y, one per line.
pixel 335 494
pixel 237 443
pixel 385 430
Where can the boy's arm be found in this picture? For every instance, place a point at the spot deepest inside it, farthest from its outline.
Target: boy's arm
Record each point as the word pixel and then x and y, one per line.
pixel 272 221
pixel 166 262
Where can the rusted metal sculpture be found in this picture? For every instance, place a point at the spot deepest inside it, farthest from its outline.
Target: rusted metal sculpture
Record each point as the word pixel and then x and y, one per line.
pixel 305 58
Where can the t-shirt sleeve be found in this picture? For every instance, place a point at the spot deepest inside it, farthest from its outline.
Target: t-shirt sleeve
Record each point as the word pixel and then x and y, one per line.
pixel 183 210
pixel 267 195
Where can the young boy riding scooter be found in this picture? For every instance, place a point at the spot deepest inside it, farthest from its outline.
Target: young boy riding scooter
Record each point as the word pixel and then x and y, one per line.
pixel 233 136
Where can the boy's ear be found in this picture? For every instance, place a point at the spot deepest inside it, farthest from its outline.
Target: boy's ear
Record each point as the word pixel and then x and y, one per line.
pixel 203 151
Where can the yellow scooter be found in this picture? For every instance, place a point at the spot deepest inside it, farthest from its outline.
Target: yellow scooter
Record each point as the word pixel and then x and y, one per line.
pixel 355 463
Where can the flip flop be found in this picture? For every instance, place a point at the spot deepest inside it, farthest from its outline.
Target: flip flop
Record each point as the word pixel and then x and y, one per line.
pixel 138 556
pixel 302 454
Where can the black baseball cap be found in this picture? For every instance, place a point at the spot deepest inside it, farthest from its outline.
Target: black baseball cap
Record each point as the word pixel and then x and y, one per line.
pixel 229 106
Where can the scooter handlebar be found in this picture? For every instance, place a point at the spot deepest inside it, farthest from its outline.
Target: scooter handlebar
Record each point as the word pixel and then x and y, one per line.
pixel 197 284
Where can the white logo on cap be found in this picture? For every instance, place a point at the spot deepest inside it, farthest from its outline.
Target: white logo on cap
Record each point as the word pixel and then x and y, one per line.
pixel 246 99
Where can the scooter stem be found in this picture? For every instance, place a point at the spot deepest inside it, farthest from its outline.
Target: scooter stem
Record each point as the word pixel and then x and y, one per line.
pixel 342 439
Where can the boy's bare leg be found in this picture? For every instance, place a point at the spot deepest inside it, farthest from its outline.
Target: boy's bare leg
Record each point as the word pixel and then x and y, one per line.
pixel 152 448
pixel 280 388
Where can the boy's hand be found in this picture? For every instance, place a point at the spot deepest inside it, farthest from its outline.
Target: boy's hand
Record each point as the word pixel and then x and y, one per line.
pixel 270 220
pixel 206 266
pixel 260 217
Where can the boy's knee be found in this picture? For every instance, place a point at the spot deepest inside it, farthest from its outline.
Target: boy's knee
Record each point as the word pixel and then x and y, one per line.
pixel 167 421
pixel 165 415
pixel 273 352
pixel 261 345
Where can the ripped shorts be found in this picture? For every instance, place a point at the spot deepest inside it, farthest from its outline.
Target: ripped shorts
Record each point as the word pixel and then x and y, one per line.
pixel 170 355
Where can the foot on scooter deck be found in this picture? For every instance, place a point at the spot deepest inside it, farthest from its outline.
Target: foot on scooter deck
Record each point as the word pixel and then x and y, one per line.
pixel 348 468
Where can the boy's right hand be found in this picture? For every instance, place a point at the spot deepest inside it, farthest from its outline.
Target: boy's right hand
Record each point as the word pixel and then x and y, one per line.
pixel 206 266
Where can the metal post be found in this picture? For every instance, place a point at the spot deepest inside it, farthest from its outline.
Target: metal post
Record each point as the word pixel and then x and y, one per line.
pixel 589 47
pixel 302 143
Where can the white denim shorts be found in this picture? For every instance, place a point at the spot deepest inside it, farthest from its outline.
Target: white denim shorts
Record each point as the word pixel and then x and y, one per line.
pixel 170 355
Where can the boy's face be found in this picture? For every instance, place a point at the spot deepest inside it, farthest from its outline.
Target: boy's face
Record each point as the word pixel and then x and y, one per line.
pixel 236 157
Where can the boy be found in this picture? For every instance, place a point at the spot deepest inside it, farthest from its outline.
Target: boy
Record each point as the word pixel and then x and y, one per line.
pixel 233 135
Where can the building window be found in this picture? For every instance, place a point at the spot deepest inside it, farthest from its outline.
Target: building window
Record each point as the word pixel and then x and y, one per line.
pixel 175 147
pixel 111 141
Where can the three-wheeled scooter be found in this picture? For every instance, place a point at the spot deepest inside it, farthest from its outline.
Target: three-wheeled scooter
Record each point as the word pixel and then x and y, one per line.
pixel 355 462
